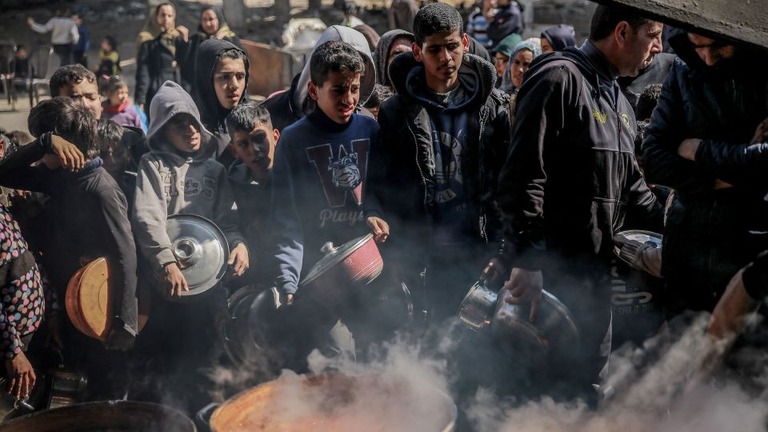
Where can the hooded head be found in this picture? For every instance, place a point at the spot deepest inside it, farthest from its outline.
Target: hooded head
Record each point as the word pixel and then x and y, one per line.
pixel 519 62
pixel 557 38
pixel 503 52
pixel 391 44
pixel 172 100
pixel 358 41
pixel 217 95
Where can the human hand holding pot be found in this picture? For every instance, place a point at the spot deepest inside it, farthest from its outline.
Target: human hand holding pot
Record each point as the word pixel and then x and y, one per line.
pixel 645 257
pixel 174 280
pixel 379 228
pixel 761 133
pixel 238 259
pixel 21 376
pixel 524 285
pixel 732 310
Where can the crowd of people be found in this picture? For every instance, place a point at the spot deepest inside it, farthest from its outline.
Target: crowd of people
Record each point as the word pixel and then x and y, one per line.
pixel 467 155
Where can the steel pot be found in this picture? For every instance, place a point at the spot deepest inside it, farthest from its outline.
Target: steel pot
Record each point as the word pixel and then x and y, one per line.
pixel 113 416
pixel 552 331
pixel 353 264
pixel 201 251
pixel 332 402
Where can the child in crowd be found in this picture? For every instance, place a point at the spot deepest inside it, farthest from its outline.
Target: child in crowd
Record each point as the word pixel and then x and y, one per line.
pixel 319 179
pixel 109 59
pixel 178 175
pixel 118 106
pixel 378 96
pixel 253 142
pixel 91 220
pixel 116 157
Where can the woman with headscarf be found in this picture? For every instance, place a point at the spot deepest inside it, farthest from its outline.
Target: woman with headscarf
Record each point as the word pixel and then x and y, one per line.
pixel 158 57
pixel 391 44
pixel 519 62
pixel 557 38
pixel 212 25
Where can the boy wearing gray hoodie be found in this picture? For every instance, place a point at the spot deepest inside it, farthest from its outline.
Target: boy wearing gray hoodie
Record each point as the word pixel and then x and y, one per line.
pixel 178 175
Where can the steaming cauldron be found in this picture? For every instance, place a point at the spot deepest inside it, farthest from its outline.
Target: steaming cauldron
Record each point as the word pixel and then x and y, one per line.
pixel 112 416
pixel 336 402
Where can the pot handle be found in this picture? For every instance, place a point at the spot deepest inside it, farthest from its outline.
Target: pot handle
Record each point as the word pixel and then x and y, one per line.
pixel 203 417
pixel 328 248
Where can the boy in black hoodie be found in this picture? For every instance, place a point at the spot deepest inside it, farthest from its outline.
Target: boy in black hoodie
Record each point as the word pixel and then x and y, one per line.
pixel 91 220
pixel 221 82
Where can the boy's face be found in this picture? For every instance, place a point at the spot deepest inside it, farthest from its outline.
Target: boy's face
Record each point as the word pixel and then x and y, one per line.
pixel 183 133
pixel 338 96
pixel 256 149
pixel 84 92
pixel 441 54
pixel 229 81
pixel 119 97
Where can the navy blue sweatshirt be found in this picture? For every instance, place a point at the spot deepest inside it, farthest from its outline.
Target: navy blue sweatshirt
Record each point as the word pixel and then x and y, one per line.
pixel 317 188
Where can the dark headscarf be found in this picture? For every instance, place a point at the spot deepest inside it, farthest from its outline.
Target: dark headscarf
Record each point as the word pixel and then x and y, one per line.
pixel 370 35
pixel 223 27
pixel 382 52
pixel 560 36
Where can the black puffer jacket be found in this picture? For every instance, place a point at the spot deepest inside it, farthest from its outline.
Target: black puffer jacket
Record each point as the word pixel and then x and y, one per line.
pixel 403 173
pixel 571 176
pixel 710 234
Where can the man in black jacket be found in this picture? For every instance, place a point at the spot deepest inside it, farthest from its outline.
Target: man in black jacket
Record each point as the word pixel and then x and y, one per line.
pixel 702 142
pixel 569 182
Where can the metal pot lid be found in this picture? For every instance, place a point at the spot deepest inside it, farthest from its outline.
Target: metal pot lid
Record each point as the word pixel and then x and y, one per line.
pixel 333 256
pixel 201 250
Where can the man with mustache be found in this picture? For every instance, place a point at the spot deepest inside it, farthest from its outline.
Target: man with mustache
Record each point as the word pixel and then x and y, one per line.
pixel 221 81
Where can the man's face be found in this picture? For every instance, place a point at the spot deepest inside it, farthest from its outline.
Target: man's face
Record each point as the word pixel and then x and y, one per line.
pixel 640 45
pixel 229 81
pixel 501 63
pixel 338 96
pixel 183 133
pixel 84 92
pixel 166 17
pixel 256 149
pixel 441 54
pixel 711 51
pixel 209 21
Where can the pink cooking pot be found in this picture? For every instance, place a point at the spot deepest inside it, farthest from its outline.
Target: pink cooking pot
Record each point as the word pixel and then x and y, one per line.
pixel 344 268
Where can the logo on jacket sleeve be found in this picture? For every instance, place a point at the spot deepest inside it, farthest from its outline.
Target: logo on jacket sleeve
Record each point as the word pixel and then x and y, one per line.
pixel 342 173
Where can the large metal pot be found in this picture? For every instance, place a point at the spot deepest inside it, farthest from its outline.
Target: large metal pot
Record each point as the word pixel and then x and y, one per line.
pixel 334 402
pixel 553 330
pixel 113 416
pixel 353 264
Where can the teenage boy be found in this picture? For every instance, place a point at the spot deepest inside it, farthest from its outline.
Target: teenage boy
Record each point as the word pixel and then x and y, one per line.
pixel 445 133
pixel 319 177
pixel 221 82
pixel 253 142
pixel 90 221
pixel 178 175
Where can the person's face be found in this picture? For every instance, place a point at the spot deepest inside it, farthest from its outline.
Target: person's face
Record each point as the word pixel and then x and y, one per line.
pixel 711 51
pixel 166 17
pixel 640 45
pixel 209 21
pixel 501 64
pixel 256 149
pixel 105 46
pixel 520 64
pixel 183 133
pixel 84 92
pixel 441 54
pixel 338 96
pixel 21 53
pixel 399 46
pixel 77 20
pixel 374 112
pixel 229 81
pixel 119 97
pixel 545 46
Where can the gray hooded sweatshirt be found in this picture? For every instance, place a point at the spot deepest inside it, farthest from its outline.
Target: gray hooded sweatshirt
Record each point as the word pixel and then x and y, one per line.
pixel 171 182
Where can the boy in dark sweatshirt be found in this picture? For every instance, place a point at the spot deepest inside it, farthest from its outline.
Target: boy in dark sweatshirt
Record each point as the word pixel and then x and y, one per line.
pixel 90 221
pixel 319 177
pixel 252 141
